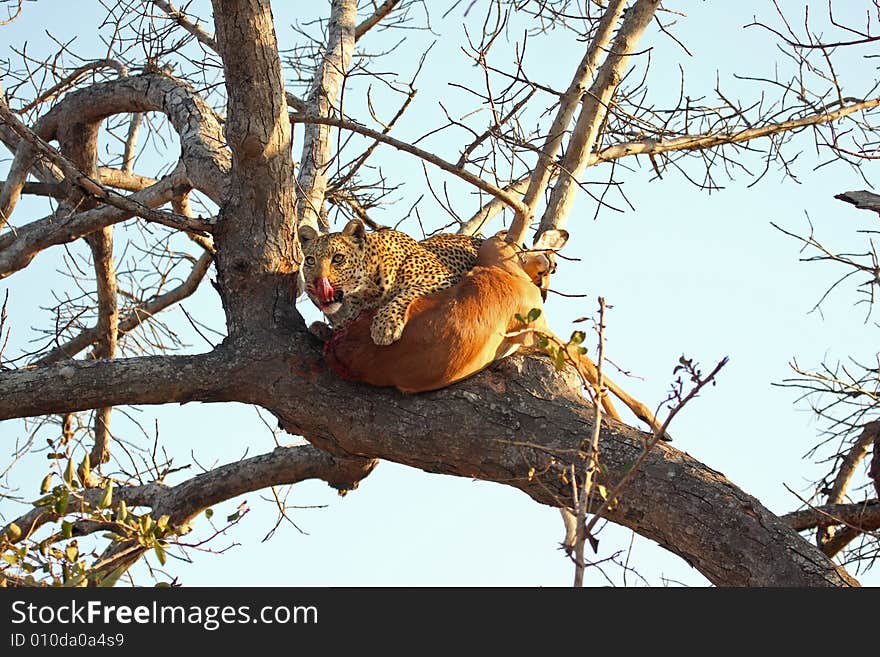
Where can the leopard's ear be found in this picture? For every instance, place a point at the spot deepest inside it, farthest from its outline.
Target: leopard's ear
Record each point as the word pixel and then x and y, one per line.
pixel 307 234
pixel 355 229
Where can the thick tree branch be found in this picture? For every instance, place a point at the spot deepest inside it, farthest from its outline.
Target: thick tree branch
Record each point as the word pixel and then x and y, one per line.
pixel 256 246
pixel 568 103
pixel 325 90
pixel 85 384
pixel 863 200
pixel 282 466
pixel 864 515
pixel 592 115
pixel 202 142
pixel 520 423
pixel 91 186
pixel 18 248
pixel 827 538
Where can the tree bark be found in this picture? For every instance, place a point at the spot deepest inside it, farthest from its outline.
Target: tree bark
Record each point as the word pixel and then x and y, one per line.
pixel 517 418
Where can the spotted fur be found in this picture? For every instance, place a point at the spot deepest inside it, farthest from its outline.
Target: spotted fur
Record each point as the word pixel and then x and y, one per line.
pixel 352 270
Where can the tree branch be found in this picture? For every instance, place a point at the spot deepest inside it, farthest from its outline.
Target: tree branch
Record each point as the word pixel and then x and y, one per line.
pixel 193 28
pixel 509 198
pixel 80 385
pixel 863 200
pixel 135 317
pixel 381 12
pixel 864 515
pixel 18 248
pixel 91 186
pixel 592 115
pixel 325 90
pixel 282 466
pixel 711 140
pixel 568 103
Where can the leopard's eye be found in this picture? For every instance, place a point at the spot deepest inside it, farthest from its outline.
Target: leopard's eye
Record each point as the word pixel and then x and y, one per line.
pixel 338 259
pixel 310 261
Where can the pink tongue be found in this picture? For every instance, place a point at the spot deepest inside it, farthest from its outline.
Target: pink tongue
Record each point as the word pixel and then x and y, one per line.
pixel 324 290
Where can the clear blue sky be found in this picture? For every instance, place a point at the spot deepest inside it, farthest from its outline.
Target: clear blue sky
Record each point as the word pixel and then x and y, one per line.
pixel 686 272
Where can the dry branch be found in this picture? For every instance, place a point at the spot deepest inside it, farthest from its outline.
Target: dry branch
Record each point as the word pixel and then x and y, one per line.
pixel 91 186
pixel 592 115
pixel 18 248
pixel 568 103
pixel 325 90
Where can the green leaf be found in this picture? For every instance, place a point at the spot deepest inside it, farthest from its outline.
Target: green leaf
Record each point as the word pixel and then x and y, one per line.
pixel 560 360
pixel 60 505
pixel 71 552
pixel 209 513
pixel 233 517
pixel 46 500
pixel 162 522
pixel 122 513
pixel 111 578
pixel 13 532
pixel 67 529
pixel 160 554
pixel 577 337
pixel 534 314
pixel 69 473
pixel 107 497
pixel 519 318
pixel 47 483
pixel 85 470
pixel 9 558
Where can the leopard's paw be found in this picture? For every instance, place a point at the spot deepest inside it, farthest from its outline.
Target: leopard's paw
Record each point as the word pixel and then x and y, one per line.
pixel 385 331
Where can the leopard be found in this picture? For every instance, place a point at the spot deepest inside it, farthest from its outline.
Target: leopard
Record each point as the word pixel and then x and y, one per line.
pixel 350 271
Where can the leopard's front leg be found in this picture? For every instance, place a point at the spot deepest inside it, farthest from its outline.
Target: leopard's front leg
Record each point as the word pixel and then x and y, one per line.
pixel 390 320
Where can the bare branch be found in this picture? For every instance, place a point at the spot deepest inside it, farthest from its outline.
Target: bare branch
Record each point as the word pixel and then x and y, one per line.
pixel 381 12
pixel 711 140
pixel 326 88
pixel 135 317
pixel 94 188
pixel 593 111
pixel 193 28
pixel 568 103
pixel 509 198
pixel 18 248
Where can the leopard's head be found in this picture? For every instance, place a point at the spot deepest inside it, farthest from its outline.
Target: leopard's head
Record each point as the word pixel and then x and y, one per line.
pixel 333 264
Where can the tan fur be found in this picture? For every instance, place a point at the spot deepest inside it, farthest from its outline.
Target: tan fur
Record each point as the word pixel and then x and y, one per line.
pixel 458 331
